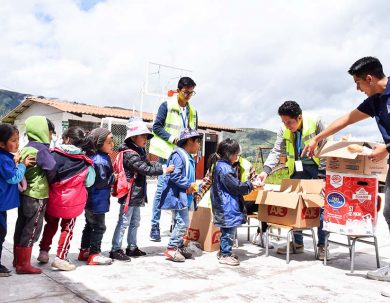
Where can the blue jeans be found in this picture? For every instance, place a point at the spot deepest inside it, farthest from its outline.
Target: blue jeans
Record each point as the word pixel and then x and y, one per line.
pixel 156 212
pixel 310 172
pixel 130 219
pixel 227 237
pixel 182 222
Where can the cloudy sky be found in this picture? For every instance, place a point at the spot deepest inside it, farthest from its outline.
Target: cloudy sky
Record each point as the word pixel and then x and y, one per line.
pixel 246 57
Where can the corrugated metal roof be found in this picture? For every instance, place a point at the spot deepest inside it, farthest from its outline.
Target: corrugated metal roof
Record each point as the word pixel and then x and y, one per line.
pixel 97 111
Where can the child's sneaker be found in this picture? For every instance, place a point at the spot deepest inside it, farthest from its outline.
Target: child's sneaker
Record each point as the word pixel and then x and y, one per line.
pixel 174 255
pixel 219 255
pixel 60 264
pixel 119 255
pixel 83 254
pixel 4 271
pixel 155 233
pixel 185 252
pixel 98 259
pixel 43 256
pixel 229 260
pixel 135 252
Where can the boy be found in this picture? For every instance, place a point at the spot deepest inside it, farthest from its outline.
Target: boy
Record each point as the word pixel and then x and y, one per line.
pixel 34 199
pixel 177 192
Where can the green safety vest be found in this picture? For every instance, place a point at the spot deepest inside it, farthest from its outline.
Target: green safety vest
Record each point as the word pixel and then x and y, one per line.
pixel 245 168
pixel 173 126
pixel 308 132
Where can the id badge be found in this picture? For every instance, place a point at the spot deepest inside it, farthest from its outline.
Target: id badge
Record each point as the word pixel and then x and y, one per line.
pixel 298 165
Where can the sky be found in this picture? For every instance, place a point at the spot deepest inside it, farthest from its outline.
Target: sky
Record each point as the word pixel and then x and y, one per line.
pixel 247 57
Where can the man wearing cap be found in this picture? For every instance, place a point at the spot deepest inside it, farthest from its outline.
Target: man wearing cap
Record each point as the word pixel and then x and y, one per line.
pixel 173 116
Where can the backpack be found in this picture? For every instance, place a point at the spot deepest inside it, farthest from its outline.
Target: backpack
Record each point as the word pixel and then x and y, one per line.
pixel 122 187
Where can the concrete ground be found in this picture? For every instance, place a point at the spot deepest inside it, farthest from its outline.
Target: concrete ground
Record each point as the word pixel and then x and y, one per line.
pixel 154 279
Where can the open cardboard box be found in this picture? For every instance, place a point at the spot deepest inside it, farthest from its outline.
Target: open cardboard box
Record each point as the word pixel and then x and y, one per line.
pixel 296 204
pixel 340 159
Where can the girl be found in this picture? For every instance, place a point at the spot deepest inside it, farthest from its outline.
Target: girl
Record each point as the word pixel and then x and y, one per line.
pixel 68 195
pixel 98 200
pixel 11 173
pixel 136 167
pixel 226 197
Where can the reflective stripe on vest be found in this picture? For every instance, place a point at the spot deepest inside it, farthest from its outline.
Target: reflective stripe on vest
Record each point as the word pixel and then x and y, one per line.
pixel 308 132
pixel 173 126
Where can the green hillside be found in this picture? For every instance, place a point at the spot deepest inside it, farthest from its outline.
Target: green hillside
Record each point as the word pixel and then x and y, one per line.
pixel 250 139
pixel 9 100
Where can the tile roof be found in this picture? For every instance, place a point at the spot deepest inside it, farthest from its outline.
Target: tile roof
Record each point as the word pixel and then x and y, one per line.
pixel 97 111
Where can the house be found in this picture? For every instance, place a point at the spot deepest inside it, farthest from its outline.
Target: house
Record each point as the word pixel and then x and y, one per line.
pixel 65 114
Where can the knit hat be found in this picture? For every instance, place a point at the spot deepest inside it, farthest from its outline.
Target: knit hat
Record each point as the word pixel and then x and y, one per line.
pixel 136 127
pixel 188 133
pixel 99 135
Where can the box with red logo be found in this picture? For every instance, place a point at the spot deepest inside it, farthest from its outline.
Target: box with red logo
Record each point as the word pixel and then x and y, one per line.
pixel 202 229
pixel 296 204
pixel 350 203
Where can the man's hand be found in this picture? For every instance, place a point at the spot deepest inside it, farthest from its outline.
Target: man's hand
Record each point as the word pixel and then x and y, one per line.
pixel 192 189
pixel 378 153
pixel 310 148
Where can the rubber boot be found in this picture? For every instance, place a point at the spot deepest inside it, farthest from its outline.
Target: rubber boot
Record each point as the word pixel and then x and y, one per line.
pixel 14 261
pixel 23 259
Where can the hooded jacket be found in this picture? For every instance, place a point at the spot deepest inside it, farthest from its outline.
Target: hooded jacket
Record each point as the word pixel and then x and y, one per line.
pixel 10 176
pixel 37 132
pixel 99 194
pixel 173 195
pixel 136 165
pixel 73 173
pixel 226 196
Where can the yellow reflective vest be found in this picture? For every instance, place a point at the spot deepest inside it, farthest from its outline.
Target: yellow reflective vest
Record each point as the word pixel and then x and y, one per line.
pixel 309 126
pixel 245 168
pixel 173 126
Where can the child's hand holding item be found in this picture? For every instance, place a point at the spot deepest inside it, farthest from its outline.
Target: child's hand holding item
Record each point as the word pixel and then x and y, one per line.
pixel 17 157
pixel 29 161
pixel 170 168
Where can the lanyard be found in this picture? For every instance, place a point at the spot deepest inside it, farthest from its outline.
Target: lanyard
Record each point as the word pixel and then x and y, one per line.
pixel 298 141
pixel 184 118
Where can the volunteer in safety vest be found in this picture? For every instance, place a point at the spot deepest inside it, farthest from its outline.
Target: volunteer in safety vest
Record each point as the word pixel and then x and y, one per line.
pixel 298 129
pixel 173 116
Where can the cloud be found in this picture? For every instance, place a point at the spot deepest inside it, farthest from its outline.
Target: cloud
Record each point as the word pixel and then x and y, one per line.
pixel 247 57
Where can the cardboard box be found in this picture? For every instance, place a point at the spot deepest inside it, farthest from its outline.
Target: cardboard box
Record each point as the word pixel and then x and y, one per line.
pixel 202 230
pixel 340 159
pixel 296 204
pixel 350 204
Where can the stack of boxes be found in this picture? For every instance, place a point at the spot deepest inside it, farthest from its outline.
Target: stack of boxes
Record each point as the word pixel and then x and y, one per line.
pixel 351 188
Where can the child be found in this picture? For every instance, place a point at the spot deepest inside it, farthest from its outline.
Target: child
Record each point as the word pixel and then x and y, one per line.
pixel 10 176
pixel 226 197
pixel 34 199
pixel 177 192
pixel 138 167
pixel 68 195
pixel 98 202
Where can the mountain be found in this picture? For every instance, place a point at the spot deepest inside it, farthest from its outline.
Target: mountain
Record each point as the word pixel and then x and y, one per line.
pixel 250 139
pixel 9 100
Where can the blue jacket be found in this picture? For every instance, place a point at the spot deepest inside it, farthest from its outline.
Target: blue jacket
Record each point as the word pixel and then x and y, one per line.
pixel 10 176
pixel 173 194
pixel 99 193
pixel 226 196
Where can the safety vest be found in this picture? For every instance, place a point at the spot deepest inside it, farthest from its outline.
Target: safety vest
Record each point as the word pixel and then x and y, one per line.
pixel 245 168
pixel 308 132
pixel 173 126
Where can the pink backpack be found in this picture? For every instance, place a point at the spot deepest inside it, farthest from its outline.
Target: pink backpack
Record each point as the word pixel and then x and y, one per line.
pixel 122 187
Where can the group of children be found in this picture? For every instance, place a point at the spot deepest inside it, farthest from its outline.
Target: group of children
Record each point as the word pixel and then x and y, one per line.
pixel 58 184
